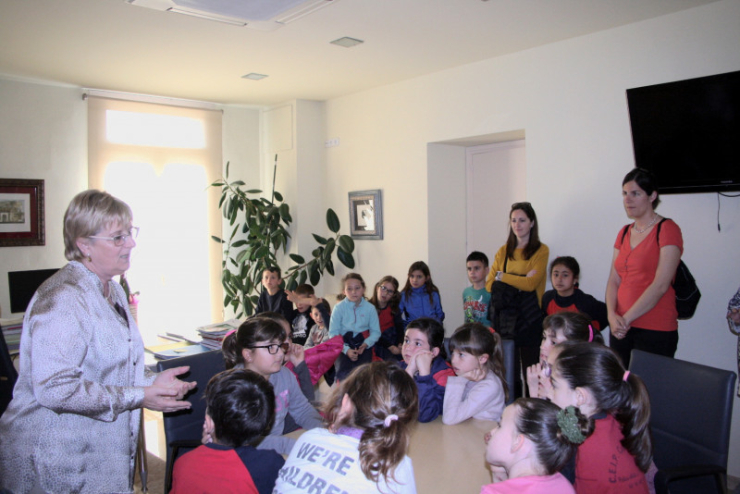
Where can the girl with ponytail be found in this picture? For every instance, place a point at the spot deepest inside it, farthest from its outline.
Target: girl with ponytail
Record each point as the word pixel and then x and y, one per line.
pixel 591 377
pixel 370 415
pixel 533 442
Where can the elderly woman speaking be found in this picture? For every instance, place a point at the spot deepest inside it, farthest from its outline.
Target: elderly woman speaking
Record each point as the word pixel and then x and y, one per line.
pixel 73 422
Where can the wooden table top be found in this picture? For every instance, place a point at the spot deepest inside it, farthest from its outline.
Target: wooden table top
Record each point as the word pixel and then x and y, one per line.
pixel 450 458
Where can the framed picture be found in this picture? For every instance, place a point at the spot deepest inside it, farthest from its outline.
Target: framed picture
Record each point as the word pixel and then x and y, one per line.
pixel 21 212
pixel 366 214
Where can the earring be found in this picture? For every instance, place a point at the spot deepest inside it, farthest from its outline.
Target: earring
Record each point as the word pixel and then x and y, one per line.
pixel 89 259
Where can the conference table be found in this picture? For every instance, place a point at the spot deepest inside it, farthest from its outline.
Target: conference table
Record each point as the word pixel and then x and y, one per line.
pixel 448 458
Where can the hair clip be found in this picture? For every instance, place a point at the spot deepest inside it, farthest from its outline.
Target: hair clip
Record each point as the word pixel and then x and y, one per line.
pixel 590 334
pixel 568 423
pixel 390 418
pixel 625 376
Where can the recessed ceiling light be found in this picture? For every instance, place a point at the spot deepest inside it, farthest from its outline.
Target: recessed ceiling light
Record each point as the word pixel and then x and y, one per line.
pixel 347 42
pixel 254 76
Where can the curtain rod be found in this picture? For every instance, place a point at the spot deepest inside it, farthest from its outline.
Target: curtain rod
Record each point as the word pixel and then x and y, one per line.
pixel 147 98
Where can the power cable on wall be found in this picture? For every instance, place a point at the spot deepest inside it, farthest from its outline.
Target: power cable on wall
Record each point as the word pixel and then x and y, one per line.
pixel 719 229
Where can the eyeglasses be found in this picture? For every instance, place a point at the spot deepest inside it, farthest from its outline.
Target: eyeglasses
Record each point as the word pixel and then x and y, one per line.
pixel 274 347
pixel 387 290
pixel 119 240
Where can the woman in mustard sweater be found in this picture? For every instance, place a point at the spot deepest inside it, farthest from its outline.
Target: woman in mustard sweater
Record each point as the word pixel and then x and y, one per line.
pixel 522 264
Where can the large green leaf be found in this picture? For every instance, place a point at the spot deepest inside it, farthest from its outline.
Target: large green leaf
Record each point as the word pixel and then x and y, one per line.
pixel 297 259
pixel 237 183
pixel 330 267
pixel 332 221
pixel 217 239
pixel 285 213
pixel 239 243
pixel 346 258
pixel 329 247
pixel 315 277
pixel 319 239
pixel 278 196
pixel 243 255
pixel 346 243
pixel 254 191
pixel 302 277
pixel 227 168
pixel 290 284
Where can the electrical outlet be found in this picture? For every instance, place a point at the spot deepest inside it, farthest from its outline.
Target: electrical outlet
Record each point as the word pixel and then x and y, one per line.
pixel 332 142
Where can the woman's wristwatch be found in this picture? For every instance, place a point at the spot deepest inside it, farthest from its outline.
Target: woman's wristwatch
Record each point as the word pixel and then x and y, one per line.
pixel 499 274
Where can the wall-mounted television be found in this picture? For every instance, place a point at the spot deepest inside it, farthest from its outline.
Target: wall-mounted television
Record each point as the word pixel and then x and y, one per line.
pixel 688 133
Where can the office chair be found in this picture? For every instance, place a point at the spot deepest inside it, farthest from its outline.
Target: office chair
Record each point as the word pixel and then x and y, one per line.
pixel 8 375
pixel 690 416
pixel 183 429
pixel 509 348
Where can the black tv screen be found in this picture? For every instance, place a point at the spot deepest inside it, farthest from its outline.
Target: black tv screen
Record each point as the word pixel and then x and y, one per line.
pixel 688 133
pixel 23 284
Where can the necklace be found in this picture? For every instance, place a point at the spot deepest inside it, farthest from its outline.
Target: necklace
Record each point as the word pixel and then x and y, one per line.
pixel 637 230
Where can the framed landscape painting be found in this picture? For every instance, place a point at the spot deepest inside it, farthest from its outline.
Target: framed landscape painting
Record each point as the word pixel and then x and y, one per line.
pixel 21 212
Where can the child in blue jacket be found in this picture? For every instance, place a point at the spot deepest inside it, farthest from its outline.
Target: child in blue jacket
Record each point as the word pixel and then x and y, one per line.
pixel 352 317
pixel 420 297
pixel 424 360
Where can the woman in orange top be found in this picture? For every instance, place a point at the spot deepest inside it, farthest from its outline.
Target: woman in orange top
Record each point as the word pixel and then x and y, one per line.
pixel 641 303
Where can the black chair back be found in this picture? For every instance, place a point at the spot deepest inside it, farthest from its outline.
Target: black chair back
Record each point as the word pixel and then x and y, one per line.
pixel 8 375
pixel 509 348
pixel 183 429
pixel 691 413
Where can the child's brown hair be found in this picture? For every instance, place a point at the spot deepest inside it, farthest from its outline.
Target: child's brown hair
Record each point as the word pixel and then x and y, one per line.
pixel 476 339
pixel 385 405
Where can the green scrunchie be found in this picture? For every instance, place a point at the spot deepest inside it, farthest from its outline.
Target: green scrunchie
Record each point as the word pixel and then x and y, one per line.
pixel 568 423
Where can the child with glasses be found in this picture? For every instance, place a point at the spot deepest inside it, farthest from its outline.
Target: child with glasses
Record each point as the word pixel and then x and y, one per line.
pixel 260 345
pixel 386 299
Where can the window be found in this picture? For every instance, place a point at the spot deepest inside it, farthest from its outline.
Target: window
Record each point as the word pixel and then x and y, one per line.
pixel 160 160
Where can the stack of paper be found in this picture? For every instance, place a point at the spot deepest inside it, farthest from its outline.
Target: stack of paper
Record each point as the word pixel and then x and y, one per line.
pixel 213 334
pixel 12 333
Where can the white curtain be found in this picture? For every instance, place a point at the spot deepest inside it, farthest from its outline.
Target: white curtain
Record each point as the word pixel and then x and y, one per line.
pixel 161 160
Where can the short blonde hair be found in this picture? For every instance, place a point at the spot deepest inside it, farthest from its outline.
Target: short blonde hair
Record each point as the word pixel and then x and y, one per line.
pixel 88 214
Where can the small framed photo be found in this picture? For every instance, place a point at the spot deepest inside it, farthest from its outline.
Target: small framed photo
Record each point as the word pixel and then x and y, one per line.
pixel 21 212
pixel 366 214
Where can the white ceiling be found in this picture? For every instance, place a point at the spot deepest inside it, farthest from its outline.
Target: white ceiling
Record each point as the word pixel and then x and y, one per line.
pixel 110 44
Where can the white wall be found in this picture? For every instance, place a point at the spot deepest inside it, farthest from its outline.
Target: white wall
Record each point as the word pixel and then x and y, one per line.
pixel 43 135
pixel 569 98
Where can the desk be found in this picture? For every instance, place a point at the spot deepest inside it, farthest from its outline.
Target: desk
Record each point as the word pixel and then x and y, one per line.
pixel 447 458
pixel 450 458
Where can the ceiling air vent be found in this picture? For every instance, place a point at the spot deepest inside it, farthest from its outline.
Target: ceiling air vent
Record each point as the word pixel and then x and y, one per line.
pixel 265 15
